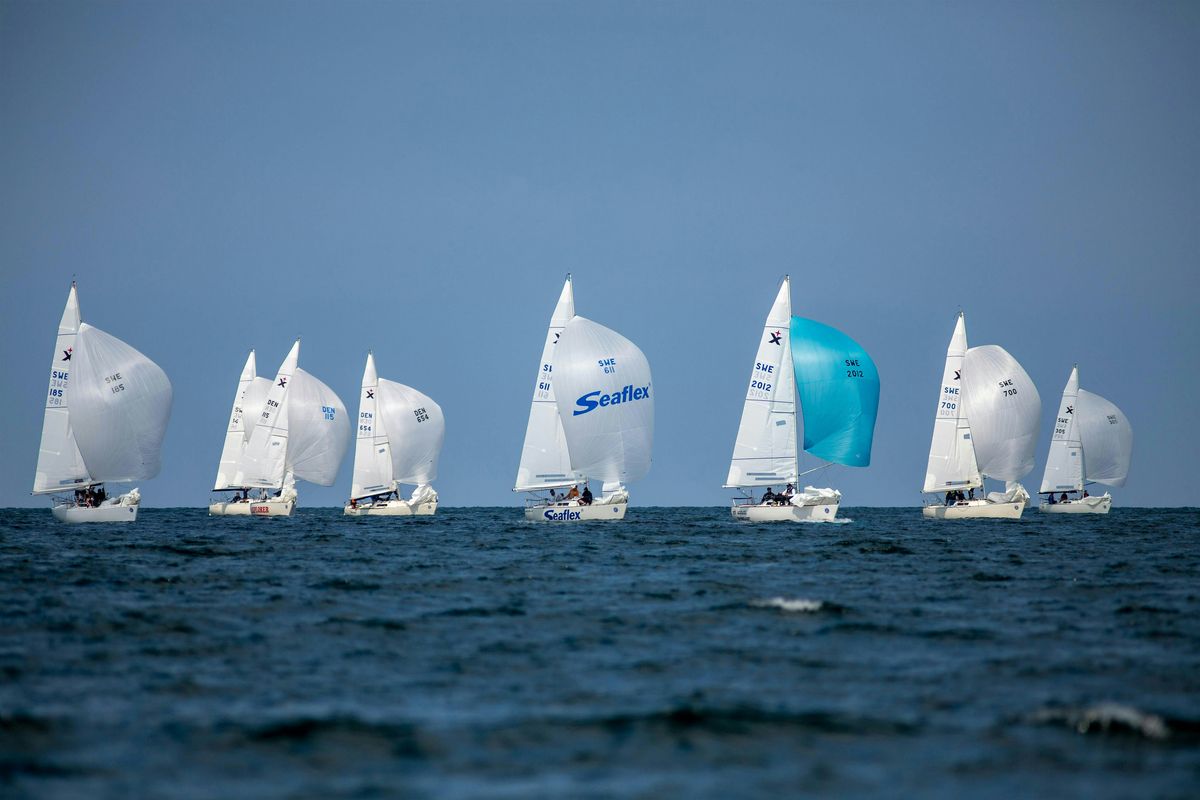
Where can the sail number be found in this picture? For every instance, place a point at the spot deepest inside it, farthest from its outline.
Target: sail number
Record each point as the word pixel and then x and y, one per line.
pixel 609 365
pixel 421 414
pixel 852 368
pixel 114 383
pixel 1007 387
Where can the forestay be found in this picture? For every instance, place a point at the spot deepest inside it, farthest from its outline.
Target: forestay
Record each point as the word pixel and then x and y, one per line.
pixel 604 394
pixel 1004 409
pixel 765 450
pixel 839 393
pixel 318 430
pixel 235 433
pixel 1064 462
pixel 545 460
pixel 1107 440
pixel 60 465
pixel 120 405
pixel 952 462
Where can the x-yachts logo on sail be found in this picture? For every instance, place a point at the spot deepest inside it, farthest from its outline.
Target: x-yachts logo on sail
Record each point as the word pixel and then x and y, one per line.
pixel 67 353
pixel 596 398
pixel 283 383
pixel 775 338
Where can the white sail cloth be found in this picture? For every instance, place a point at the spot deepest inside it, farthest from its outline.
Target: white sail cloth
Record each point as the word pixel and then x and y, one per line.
pixel 951 451
pixel 1107 439
pixel 1064 462
pixel 603 389
pixel 1004 409
pixel 120 405
pixel 60 465
pixel 764 452
pixel 264 459
pixel 235 432
pixel 318 430
pixel 545 461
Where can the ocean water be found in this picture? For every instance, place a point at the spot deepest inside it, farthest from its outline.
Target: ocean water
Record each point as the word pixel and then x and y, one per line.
pixel 676 654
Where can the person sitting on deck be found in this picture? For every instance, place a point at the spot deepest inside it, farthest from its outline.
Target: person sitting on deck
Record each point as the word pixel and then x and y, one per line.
pixel 1050 499
pixel 585 499
pixel 1064 498
pixel 1085 493
pixel 574 493
pixel 768 497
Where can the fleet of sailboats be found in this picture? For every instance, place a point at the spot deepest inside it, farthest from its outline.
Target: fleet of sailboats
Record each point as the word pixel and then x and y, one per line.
pixel 838 386
pixel 400 434
pixel 591 419
pixel 591 426
pixel 298 430
pixel 107 408
pixel 1092 443
pixel 985 426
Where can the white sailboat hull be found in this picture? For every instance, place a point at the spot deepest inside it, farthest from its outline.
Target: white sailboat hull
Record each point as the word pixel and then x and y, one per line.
pixel 807 513
pixel 272 507
pixel 1086 505
pixel 976 509
pixel 393 508
pixel 574 512
pixel 107 513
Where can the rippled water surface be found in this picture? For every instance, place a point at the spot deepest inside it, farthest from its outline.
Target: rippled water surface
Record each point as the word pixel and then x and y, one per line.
pixel 677 653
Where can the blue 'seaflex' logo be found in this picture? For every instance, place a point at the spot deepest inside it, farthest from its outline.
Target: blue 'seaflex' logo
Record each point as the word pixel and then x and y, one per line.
pixel 565 515
pixel 597 399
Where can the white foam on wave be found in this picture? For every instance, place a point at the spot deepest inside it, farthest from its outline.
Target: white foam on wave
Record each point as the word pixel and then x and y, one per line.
pixel 798 605
pixel 1105 717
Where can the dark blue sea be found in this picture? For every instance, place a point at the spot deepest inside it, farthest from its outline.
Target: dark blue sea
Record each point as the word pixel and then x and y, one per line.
pixel 676 654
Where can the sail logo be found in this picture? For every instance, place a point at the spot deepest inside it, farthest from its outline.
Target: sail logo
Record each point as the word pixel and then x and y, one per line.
pixel 566 515
pixel 597 399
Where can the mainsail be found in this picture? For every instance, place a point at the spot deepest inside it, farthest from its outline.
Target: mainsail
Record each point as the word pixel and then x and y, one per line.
pixel 1064 462
pixel 1004 408
pixel 764 452
pixel 106 412
pixel 545 461
pixel 60 465
pixel 604 394
pixel 235 433
pixel 372 450
pixel 839 393
pixel 952 462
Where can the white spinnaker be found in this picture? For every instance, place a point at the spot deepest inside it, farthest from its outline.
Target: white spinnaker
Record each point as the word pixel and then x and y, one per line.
pixel 609 442
pixel 264 460
pixel 120 406
pixel 372 448
pixel 545 460
pixel 1004 408
pixel 952 462
pixel 235 433
pixel 765 450
pixel 60 466
pixel 1064 462
pixel 318 430
pixel 416 428
pixel 1107 439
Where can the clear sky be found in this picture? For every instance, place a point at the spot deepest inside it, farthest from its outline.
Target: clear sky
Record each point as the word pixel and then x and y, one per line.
pixel 416 178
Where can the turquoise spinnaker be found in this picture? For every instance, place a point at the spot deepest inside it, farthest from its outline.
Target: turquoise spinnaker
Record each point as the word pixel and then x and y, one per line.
pixel 839 393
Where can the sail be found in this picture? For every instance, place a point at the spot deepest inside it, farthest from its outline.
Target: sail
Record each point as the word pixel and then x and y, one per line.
pixel 764 452
pixel 416 429
pixel 1107 440
pixel 120 405
pixel 235 433
pixel 318 430
pixel 1064 462
pixel 952 462
pixel 604 396
pixel 253 405
pixel 839 393
pixel 60 466
pixel 372 451
pixel 545 461
pixel 264 460
pixel 1004 408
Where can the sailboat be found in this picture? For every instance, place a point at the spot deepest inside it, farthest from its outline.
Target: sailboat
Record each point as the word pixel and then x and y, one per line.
pixel 838 386
pixel 400 433
pixel 297 429
pixel 107 409
pixel 985 426
pixel 1092 443
pixel 591 419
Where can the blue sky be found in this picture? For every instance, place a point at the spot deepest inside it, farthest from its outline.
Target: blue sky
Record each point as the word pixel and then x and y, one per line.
pixel 416 178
